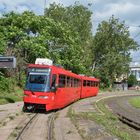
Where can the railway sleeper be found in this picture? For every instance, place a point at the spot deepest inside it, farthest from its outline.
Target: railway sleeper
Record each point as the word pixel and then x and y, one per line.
pixel 129 122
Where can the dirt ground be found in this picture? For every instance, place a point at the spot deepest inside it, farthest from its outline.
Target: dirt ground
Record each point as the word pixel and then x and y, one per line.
pixel 10 116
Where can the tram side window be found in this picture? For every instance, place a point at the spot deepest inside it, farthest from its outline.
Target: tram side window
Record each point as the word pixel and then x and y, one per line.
pixel 53 80
pixel 62 81
pixel 92 83
pixel 75 82
pixel 97 84
pixel 68 82
pixel 84 83
pixel 88 83
pixel 79 83
pixel 72 82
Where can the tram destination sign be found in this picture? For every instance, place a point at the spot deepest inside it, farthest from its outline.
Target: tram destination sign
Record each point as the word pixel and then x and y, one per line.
pixel 7 62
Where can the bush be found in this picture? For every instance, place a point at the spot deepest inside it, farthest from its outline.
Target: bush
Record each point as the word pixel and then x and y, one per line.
pixel 132 81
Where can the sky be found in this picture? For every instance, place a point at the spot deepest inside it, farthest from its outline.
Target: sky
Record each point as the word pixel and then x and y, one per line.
pixel 125 10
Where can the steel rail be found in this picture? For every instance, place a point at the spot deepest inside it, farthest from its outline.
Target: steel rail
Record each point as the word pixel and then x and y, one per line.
pixel 124 118
pixel 132 123
pixel 24 128
pixel 50 126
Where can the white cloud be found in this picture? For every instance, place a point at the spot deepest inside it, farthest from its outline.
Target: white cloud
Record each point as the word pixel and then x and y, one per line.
pixel 134 30
pixel 118 9
pixel 92 1
pixel 22 8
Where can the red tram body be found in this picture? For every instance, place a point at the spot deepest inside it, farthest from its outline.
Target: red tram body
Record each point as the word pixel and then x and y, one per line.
pixel 89 86
pixel 52 87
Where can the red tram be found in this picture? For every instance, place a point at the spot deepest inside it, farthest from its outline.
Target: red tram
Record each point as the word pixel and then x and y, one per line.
pixel 52 87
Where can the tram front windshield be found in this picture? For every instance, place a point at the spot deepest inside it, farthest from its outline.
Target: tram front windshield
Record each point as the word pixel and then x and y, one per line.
pixel 38 82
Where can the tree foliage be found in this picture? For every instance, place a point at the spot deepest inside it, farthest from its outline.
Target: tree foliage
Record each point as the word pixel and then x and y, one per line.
pixel 78 18
pixel 132 81
pixel 112 45
pixel 64 34
pixel 30 34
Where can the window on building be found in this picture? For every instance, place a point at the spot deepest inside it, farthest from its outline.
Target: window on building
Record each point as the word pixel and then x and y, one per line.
pixel 139 74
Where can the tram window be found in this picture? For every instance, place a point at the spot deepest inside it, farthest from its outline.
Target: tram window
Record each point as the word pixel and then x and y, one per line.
pixel 88 83
pixel 62 80
pixel 79 83
pixel 72 82
pixel 92 83
pixel 37 79
pixel 84 83
pixel 96 84
pixel 53 80
pixel 76 83
pixel 68 82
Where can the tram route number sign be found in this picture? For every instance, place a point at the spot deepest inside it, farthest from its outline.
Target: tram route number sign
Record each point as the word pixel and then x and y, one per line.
pixel 7 62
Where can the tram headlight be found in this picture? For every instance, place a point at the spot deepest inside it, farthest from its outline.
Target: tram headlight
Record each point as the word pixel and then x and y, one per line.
pixel 43 97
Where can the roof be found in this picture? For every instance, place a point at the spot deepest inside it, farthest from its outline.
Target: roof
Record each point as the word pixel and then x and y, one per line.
pixel 63 71
pixel 90 78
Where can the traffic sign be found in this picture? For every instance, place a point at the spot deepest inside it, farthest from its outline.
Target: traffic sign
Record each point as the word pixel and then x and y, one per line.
pixel 7 62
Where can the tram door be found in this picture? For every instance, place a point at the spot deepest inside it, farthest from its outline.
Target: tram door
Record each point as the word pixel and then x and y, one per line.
pixel 60 93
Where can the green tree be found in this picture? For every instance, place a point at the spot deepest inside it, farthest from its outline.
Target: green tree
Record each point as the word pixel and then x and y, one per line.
pixel 132 80
pixel 112 45
pixel 78 19
pixel 28 34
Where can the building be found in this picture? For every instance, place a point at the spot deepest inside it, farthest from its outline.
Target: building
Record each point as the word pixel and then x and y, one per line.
pixel 135 70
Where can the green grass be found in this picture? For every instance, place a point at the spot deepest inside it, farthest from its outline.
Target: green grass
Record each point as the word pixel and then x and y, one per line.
pixel 11 97
pixel 135 102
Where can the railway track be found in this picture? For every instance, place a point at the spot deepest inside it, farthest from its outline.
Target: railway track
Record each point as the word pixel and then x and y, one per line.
pixel 50 126
pixel 40 126
pixel 45 121
pixel 19 137
pixel 132 123
pixel 124 111
pixel 104 106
